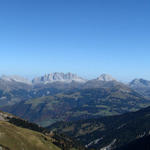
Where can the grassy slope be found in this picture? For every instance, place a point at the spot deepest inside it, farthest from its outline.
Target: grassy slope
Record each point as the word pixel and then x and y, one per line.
pixel 16 138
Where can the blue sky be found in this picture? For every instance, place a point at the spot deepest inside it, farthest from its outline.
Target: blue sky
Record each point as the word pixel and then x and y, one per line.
pixel 87 37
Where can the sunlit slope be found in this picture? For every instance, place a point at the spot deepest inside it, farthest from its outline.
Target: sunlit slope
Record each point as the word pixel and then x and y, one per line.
pixel 16 138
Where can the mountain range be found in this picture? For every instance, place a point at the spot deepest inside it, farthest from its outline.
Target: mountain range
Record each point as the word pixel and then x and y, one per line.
pixel 14 89
pixel 68 78
pixel 53 77
pixel 47 78
pixel 59 97
pixel 58 77
pixel 101 113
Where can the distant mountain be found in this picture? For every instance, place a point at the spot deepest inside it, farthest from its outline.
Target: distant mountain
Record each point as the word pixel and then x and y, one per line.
pixel 74 82
pixel 58 77
pixel 129 131
pixel 14 89
pixel 105 77
pixel 139 83
pixel 46 79
pixel 103 81
pixel 142 86
pixel 15 79
pixel 9 84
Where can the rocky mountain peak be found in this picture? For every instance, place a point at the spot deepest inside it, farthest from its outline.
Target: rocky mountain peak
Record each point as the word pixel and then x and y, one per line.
pixel 58 77
pixel 105 77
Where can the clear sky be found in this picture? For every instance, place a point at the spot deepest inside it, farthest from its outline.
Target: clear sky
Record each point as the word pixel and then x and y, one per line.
pixel 86 37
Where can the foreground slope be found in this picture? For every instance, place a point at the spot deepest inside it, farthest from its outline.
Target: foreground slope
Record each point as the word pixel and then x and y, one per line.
pixel 16 138
pixel 13 137
pixel 16 134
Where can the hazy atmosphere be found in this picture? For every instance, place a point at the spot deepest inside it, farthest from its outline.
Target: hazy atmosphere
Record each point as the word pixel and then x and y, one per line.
pixel 84 37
